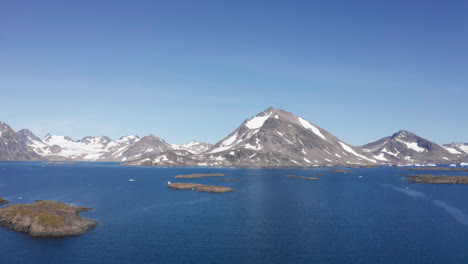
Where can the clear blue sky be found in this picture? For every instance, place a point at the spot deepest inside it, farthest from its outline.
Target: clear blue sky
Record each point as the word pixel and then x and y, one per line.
pixel 187 70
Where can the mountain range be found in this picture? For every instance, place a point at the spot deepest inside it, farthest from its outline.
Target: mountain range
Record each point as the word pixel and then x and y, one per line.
pixel 272 138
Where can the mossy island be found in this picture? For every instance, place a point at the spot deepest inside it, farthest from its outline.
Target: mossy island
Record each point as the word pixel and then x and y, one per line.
pixel 46 219
pixel 437 179
pixel 199 175
pixel 199 187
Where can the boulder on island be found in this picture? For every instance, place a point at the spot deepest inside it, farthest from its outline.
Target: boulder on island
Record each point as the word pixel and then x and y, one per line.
pixel 46 219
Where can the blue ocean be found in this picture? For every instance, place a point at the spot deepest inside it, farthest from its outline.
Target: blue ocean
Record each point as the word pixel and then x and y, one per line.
pixel 362 216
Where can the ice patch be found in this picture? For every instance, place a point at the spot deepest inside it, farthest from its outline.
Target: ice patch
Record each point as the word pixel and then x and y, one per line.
pixel 452 150
pixel 257 122
pixel 307 125
pixel 412 145
pixel 350 150
pixel 229 140
pixel 380 157
pixel 391 153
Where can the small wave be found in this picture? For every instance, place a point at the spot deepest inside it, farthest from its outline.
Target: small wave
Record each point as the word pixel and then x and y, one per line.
pixel 456 213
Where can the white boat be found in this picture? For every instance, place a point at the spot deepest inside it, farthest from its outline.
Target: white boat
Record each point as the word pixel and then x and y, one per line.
pixel 132 180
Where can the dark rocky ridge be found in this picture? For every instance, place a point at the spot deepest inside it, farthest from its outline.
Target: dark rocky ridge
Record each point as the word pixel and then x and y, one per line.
pixel 12 148
pixel 46 219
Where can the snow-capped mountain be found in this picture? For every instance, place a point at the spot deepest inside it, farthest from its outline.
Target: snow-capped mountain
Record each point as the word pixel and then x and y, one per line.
pixel 102 148
pixel 55 147
pixel 405 147
pixel 148 145
pixel 12 147
pixel 193 147
pixel 270 139
pixel 457 148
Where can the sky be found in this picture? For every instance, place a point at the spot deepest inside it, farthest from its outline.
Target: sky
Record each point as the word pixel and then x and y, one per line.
pixel 186 69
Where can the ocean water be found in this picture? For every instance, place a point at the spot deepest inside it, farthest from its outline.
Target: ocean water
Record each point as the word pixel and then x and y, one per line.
pixel 343 218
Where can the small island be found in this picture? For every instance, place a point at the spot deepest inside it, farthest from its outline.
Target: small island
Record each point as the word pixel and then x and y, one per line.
pixel 199 187
pixel 3 201
pixel 437 168
pixel 321 174
pixel 199 175
pixel 46 219
pixel 437 179
pixel 340 171
pixel 302 177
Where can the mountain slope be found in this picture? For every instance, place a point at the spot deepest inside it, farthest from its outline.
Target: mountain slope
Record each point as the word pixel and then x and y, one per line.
pixel 278 138
pixel 13 148
pixel 405 147
pixel 457 148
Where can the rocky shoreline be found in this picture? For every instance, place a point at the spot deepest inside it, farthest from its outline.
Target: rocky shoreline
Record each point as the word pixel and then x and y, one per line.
pixel 46 219
pixel 199 187
pixel 437 169
pixel 3 201
pixel 437 179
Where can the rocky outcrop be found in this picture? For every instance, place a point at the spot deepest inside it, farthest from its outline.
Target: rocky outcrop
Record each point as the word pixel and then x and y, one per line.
pixel 13 148
pixel 3 201
pixel 46 219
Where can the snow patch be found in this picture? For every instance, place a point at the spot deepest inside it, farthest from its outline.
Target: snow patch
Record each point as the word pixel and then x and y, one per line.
pixel 350 150
pixel 452 150
pixel 307 125
pixel 412 145
pixel 257 122
pixel 380 157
